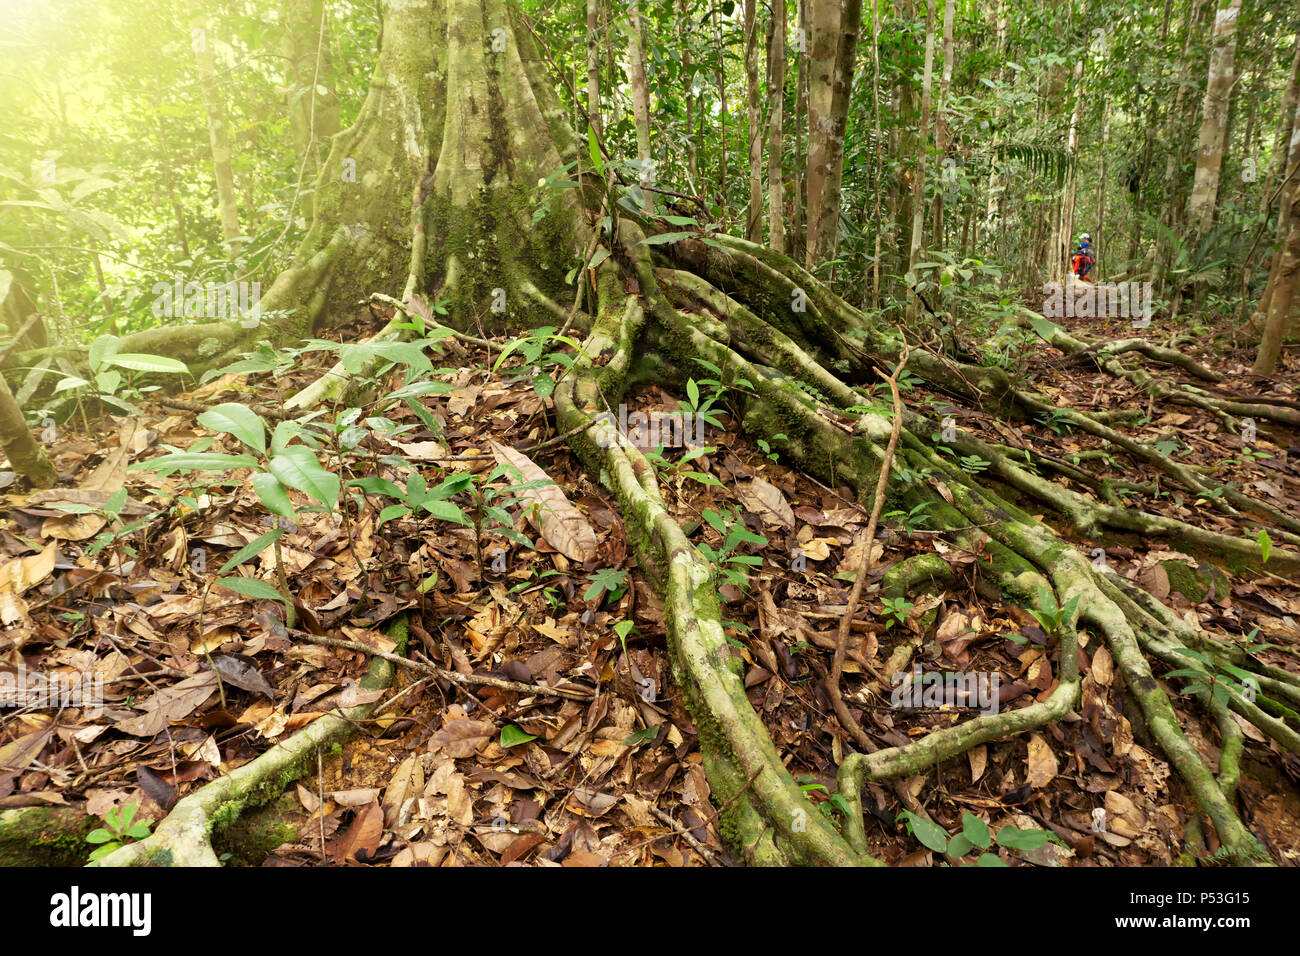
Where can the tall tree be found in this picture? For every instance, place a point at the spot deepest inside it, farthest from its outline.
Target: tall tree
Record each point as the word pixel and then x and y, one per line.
pixel 201 42
pixel 775 113
pixel 1281 294
pixel 834 43
pixel 923 137
pixel 640 93
pixel 1214 119
pixel 309 78
pixel 593 66
pixel 754 209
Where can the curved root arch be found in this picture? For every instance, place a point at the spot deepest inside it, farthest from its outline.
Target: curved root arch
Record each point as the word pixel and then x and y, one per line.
pixel 736 310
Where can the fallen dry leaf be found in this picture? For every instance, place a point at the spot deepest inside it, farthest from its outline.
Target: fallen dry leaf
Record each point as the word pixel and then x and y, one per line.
pixel 561 524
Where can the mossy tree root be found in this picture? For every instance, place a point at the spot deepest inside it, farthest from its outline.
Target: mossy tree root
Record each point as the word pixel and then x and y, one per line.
pixel 763 811
pixel 184 837
pixel 1022 551
pixel 1229 410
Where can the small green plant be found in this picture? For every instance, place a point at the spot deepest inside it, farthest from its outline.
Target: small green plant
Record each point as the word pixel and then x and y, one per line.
pixel 107 383
pixel 1050 617
pixel 276 468
pixel 974 464
pixel 766 448
pixel 1265 545
pixel 913 519
pixel 1058 421
pixel 544 367
pixel 1216 680
pixel 729 566
pixel 974 835
pixel 897 610
pixel 604 582
pixel 120 827
pixel 835 804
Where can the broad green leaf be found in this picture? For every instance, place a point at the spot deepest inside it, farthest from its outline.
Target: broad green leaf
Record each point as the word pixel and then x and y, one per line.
pixel 593 152
pixel 251 587
pixel 238 420
pixel 512 736
pixel 391 512
pixel 703 478
pixel 639 738
pixel 105 850
pixel 251 550
pixel 297 467
pixel 976 830
pixel 1016 839
pixel 927 832
pixel 959 845
pixel 377 486
pixel 70 382
pixel 101 349
pixel 273 495
pixel 139 362
pixel 445 511
pixel 189 461
pixel 115 503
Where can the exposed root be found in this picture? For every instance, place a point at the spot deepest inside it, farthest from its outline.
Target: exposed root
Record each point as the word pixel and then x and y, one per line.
pixel 183 838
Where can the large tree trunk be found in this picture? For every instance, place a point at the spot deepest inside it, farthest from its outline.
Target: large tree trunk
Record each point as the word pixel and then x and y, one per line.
pixel 835 28
pixel 461 118
pixel 1214 120
pixel 25 456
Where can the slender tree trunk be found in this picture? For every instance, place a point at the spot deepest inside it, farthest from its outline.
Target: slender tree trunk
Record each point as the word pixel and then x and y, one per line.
pixel 1098 229
pixel 1178 120
pixel 775 111
pixel 165 160
pixel 846 54
pixel 721 78
pixel 754 210
pixel 918 188
pixel 1277 166
pixel 693 134
pixel 218 134
pixel 309 78
pixel 799 221
pixel 941 135
pixel 1065 239
pixel 878 152
pixel 1214 116
pixel 823 46
pixel 994 209
pixel 593 67
pixel 1283 290
pixel 640 97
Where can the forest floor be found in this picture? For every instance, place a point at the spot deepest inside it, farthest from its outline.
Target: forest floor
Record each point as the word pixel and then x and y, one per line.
pixel 610 774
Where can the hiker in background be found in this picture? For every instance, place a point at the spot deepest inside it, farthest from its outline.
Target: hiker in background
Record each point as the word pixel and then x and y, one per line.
pixel 1083 260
